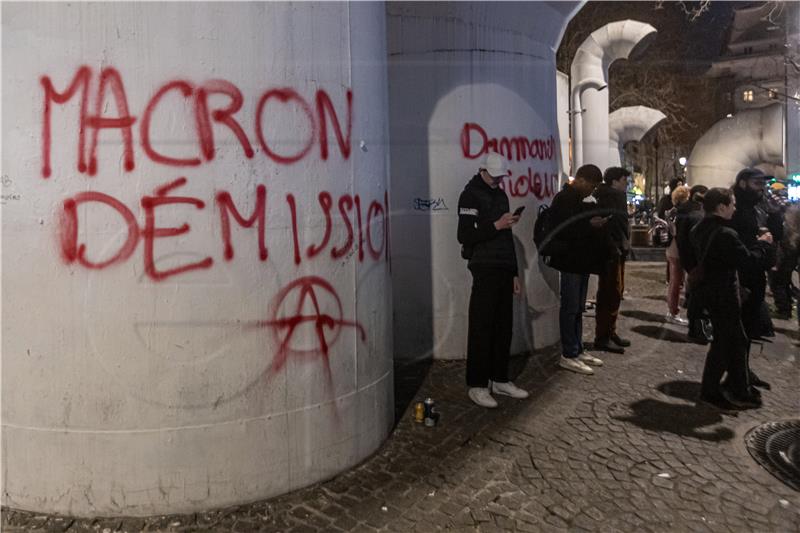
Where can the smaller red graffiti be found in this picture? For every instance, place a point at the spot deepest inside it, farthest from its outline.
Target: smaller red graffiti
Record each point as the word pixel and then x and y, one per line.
pixel 518 148
pixel 541 186
pixel 325 317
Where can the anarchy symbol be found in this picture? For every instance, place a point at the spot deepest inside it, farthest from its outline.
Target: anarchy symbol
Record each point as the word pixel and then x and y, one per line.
pixel 286 319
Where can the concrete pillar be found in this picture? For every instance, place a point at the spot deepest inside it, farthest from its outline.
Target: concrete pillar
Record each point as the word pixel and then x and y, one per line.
pixel 197 306
pixel 464 78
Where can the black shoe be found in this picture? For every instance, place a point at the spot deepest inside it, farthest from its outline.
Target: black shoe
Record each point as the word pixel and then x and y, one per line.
pixel 756 381
pixel 718 401
pixel 607 346
pixel 619 341
pixel 748 400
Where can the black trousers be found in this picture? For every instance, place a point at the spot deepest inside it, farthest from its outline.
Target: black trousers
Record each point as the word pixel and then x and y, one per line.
pixel 730 349
pixel 491 307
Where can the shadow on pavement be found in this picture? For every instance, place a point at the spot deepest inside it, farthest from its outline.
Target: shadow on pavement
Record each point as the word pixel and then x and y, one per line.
pixel 655 332
pixel 409 375
pixel 680 419
pixel 644 316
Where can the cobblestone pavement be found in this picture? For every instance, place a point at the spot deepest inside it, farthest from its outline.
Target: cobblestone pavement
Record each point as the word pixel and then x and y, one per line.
pixel 624 450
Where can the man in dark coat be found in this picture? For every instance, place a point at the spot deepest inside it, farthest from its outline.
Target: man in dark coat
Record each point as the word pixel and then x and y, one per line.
pixel 576 249
pixel 688 215
pixel 484 229
pixel 722 253
pixel 612 199
pixel 751 220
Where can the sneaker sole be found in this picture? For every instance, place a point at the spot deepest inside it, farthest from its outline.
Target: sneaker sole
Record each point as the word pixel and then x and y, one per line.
pixel 577 370
pixel 487 406
pixel 592 363
pixel 510 395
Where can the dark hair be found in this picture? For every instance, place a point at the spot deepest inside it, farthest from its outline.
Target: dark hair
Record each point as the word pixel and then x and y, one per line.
pixel 673 183
pixel 697 192
pixel 716 197
pixel 615 173
pixel 590 173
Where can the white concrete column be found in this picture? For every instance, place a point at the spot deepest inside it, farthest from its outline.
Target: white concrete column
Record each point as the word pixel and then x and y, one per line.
pixel 197 308
pixel 466 78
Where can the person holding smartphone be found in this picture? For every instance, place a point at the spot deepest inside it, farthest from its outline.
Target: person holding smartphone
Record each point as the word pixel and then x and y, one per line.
pixel 484 230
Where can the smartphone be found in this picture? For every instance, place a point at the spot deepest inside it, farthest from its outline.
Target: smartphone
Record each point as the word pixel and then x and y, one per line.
pixel 518 211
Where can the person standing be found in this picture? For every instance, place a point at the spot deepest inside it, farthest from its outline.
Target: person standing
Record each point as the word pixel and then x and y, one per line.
pixel 612 199
pixel 720 252
pixel 679 196
pixel 750 220
pixel 687 216
pixel 484 230
pixel 576 249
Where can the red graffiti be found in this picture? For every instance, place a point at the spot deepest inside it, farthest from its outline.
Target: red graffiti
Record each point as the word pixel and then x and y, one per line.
pixel 151 232
pixel 541 186
pixel 318 117
pixel 226 207
pixel 291 314
pixel 373 236
pixel 71 251
pixel 514 148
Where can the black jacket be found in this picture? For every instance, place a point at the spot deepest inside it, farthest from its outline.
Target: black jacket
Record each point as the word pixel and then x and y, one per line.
pixel 747 219
pixel 617 230
pixel 479 206
pixel 576 246
pixel 689 214
pixel 723 252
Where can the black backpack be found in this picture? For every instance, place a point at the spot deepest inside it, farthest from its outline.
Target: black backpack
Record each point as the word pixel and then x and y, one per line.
pixel 542 228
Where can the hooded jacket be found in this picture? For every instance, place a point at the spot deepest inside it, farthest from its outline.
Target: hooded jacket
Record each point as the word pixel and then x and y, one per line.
pixel 747 219
pixel 576 247
pixel 618 231
pixel 479 206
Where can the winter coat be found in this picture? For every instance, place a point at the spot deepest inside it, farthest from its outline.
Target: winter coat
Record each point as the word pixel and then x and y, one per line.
pixel 714 240
pixel 617 230
pixel 747 219
pixel 479 206
pixel 688 215
pixel 576 246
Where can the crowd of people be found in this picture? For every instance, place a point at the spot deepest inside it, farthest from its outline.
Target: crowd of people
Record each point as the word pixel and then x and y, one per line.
pixel 726 245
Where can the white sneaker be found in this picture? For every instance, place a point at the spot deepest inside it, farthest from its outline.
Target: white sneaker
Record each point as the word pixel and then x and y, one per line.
pixel 508 389
pixel 589 359
pixel 482 397
pixel 676 319
pixel 576 365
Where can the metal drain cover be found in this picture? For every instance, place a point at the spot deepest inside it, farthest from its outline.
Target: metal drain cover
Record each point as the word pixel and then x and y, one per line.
pixel 776 447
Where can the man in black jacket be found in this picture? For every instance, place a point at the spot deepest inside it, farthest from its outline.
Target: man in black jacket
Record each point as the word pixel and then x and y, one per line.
pixel 751 220
pixel 577 250
pixel 612 200
pixel 484 230
pixel 722 253
pixel 689 214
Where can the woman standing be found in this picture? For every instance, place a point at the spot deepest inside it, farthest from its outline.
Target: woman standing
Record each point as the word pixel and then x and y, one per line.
pixel 676 275
pixel 720 252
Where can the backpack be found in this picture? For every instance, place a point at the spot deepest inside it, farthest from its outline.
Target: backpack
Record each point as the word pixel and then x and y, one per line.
pixel 542 228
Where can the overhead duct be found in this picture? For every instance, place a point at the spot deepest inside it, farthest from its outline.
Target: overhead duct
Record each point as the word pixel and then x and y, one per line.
pixel 589 74
pixel 749 138
pixel 629 124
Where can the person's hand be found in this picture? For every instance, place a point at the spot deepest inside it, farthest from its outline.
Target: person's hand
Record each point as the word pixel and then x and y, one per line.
pixel 506 221
pixel 598 222
pixel 767 237
pixel 517 285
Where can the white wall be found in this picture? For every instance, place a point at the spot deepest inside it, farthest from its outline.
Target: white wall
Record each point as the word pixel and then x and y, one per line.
pixel 487 69
pixel 130 389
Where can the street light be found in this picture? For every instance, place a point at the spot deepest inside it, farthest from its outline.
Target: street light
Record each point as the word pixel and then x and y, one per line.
pixel 682 161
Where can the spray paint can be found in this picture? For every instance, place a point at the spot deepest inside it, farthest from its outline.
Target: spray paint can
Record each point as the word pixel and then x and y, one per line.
pixel 419 412
pixel 431 416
